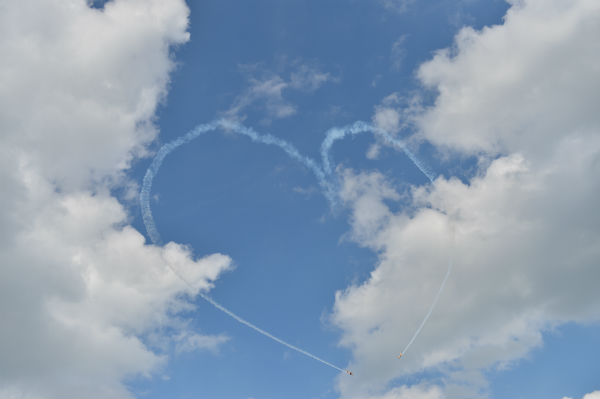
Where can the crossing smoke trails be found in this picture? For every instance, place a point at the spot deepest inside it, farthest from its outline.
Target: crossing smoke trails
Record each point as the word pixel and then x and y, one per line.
pixel 323 175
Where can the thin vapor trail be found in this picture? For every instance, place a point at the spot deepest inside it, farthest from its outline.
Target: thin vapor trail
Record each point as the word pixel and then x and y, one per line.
pixel 437 296
pixel 252 326
pixel 267 334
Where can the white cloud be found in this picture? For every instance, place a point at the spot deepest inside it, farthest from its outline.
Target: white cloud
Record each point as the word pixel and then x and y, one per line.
pixel 267 90
pixel 79 288
pixel 373 151
pixel 517 86
pixel 188 341
pixel 308 78
pixel 591 395
pixel 366 192
pixel 90 78
pixel 412 392
pixel 523 233
pixel 398 53
pixel 398 6
pixel 387 119
pixel 394 114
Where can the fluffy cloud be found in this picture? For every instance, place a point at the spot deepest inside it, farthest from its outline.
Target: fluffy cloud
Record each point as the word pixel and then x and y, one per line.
pixel 523 233
pixel 387 115
pixel 591 395
pixel 91 78
pixel 396 112
pixel 520 86
pixel 80 291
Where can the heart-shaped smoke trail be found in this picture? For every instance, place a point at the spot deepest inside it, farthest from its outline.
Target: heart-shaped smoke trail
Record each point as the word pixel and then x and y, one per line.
pixel 324 177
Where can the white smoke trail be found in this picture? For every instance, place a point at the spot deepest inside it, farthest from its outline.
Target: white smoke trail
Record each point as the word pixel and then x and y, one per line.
pixel 256 137
pixel 321 174
pixel 338 133
pixel 167 148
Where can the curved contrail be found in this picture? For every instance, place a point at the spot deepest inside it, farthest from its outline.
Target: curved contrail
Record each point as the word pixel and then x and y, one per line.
pixel 321 173
pixel 225 124
pixel 338 133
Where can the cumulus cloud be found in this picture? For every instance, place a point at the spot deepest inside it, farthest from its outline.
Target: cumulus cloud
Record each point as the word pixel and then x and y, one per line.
pixel 80 291
pixel 366 192
pixel 387 119
pixel 109 69
pixel 519 85
pixel 591 395
pixel 523 233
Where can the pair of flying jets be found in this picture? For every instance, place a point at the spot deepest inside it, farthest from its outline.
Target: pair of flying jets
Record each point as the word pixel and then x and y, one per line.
pixel 350 372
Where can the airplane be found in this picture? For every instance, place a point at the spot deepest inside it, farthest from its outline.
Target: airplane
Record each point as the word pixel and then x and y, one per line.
pixel 400 355
pixel 349 372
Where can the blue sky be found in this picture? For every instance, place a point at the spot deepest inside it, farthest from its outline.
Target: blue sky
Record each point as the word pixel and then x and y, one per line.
pixel 496 97
pixel 216 191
